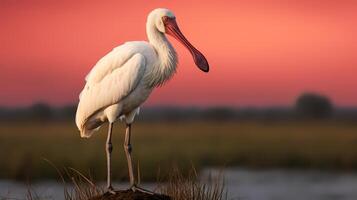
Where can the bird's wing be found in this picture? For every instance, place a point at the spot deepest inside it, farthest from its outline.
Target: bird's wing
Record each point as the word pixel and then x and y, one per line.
pixel 113 60
pixel 111 80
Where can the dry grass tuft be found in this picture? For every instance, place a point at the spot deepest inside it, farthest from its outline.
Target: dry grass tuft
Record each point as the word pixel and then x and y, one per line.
pixel 189 187
pixel 83 187
pixel 178 186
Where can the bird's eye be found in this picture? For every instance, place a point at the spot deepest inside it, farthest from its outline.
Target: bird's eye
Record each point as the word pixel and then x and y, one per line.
pixel 165 18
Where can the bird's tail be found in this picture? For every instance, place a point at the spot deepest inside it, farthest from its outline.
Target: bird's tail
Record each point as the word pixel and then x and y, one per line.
pixel 85 133
pixel 89 127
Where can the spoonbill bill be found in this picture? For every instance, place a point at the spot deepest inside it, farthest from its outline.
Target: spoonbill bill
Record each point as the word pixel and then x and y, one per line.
pixel 124 78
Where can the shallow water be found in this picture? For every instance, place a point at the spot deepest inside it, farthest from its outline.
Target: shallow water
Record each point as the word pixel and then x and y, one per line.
pixel 289 184
pixel 241 184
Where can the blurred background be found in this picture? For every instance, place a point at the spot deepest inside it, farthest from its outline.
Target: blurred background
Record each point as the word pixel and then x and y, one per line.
pixel 277 113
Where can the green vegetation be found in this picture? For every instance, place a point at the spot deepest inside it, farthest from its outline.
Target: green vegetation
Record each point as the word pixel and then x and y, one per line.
pixel 159 146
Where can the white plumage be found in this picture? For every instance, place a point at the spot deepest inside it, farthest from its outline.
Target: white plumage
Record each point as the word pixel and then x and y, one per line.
pixel 116 78
pixel 124 78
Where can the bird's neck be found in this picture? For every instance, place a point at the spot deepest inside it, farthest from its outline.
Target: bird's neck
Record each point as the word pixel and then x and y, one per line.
pixel 167 59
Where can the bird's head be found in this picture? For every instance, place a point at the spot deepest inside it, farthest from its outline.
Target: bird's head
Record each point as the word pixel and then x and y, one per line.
pixel 165 22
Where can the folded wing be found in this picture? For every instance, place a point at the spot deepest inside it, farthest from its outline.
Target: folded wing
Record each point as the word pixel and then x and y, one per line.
pixel 112 79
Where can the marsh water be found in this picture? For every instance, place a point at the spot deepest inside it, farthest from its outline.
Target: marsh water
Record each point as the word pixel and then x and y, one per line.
pixel 241 184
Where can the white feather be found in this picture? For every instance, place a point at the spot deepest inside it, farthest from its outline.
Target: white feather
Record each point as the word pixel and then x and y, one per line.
pixel 123 79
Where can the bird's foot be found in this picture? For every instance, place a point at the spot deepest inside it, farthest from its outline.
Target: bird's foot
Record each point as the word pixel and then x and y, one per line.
pixel 110 190
pixel 136 188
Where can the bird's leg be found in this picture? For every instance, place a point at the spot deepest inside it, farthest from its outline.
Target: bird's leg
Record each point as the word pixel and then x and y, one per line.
pixel 109 149
pixel 128 149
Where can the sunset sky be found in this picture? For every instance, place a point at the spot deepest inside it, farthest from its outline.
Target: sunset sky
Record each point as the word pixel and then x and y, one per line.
pixel 261 52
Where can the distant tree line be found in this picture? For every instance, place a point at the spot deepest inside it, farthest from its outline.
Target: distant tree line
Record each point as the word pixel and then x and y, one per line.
pixel 314 106
pixel 38 111
pixel 307 106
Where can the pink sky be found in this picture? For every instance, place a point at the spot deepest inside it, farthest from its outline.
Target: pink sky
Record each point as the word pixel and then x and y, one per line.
pixel 261 53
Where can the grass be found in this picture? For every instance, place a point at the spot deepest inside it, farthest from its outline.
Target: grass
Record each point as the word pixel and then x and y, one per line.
pixel 255 144
pixel 188 187
pixel 179 186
